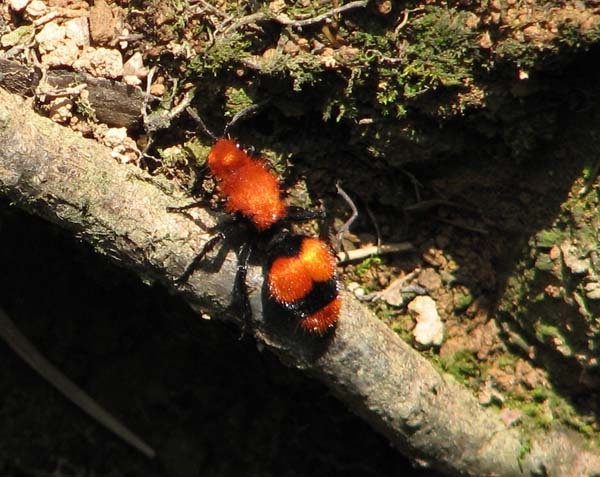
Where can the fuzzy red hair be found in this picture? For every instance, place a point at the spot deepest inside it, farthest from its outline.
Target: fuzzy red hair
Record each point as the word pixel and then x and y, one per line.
pixel 250 188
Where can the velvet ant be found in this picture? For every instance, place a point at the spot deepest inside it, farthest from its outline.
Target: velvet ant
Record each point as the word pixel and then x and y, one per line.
pixel 301 270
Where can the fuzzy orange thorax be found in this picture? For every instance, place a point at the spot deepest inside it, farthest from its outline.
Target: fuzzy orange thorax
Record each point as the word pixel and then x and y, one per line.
pixel 247 184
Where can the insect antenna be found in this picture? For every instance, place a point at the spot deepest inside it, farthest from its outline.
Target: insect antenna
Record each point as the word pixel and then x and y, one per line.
pixel 196 117
pixel 244 113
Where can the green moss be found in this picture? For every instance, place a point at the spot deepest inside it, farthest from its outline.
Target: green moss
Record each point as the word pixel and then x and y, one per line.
pixel 171 156
pixel 540 394
pixel 548 238
pixel 544 263
pixel 197 150
pixel 526 445
pixel 543 408
pixel 223 54
pixel 544 332
pixel 442 52
pixel 366 264
pixel 18 35
pixel 463 300
pixel 463 365
pixel 567 414
pixel 84 108
pixel 507 360
pixel 436 50
pixel 304 68
pixel 572 36
pixel 236 99
pixel 527 54
pixel 402 326
pixel 179 17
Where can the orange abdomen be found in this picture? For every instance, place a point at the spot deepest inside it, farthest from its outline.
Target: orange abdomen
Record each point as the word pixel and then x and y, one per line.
pixel 324 319
pixel 302 278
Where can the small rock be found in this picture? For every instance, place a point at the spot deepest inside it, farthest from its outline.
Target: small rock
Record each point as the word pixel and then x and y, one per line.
pixel 347 54
pixel 488 395
pixel 157 89
pixel 124 148
pixel 100 62
pixel 356 289
pixel 485 40
pixel 60 110
pixel 37 8
pixel 269 54
pixel 434 257
pixel 384 6
pixel 429 279
pixel 77 29
pixel 60 53
pixel 104 23
pixel 114 137
pixel 554 252
pixel 291 48
pixel 18 5
pixel 592 290
pixel 276 6
pixel 528 375
pixel 303 44
pixel 571 258
pixel 132 80
pixel 429 330
pixel 134 66
pixel 510 416
pixel 51 33
pixel 327 59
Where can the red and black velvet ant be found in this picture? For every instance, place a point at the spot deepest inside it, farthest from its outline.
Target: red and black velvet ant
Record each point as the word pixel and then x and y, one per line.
pixel 301 276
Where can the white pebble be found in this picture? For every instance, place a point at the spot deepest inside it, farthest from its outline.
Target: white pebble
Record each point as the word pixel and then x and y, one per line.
pixel 18 5
pixel 429 330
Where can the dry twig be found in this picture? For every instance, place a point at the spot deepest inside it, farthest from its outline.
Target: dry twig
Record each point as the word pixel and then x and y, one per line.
pixel 30 354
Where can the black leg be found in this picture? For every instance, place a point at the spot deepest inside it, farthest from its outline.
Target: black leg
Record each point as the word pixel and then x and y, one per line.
pixel 296 214
pixel 208 247
pixel 240 288
pixel 193 205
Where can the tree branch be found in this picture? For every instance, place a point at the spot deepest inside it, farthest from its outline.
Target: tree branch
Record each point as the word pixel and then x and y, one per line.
pixel 52 172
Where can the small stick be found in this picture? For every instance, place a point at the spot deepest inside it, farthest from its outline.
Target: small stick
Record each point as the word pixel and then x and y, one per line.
pixel 397 286
pixel 375 224
pixel 324 16
pixel 211 8
pixel 284 20
pixel 364 252
pixel 344 228
pixel 29 353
